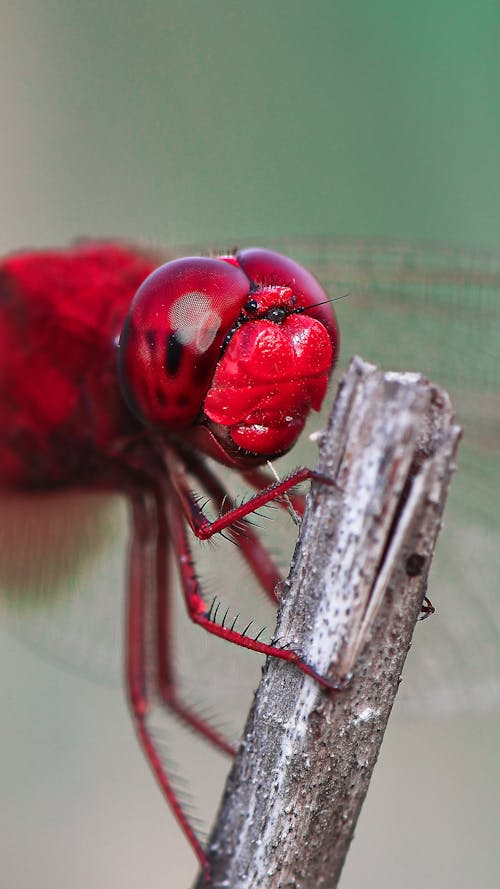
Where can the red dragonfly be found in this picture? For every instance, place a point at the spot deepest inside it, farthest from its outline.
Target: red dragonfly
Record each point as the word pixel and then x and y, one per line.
pixel 118 375
pixel 99 427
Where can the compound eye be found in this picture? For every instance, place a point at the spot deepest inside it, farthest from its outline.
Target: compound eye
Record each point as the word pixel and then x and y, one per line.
pixel 251 306
pixel 277 315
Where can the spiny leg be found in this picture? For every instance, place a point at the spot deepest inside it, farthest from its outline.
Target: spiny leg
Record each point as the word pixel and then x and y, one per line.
pixel 255 553
pixel 167 680
pixel 201 615
pixel 201 526
pixel 140 657
pixel 259 479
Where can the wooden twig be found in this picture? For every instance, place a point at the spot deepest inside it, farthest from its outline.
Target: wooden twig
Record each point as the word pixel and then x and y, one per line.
pixel 354 594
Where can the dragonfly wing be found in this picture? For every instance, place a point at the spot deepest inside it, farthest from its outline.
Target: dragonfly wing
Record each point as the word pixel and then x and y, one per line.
pixel 437 311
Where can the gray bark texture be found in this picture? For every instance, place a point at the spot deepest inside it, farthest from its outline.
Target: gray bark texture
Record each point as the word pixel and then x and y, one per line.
pixel 355 591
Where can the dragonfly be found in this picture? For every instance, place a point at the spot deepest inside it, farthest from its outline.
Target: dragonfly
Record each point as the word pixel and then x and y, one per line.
pixel 410 307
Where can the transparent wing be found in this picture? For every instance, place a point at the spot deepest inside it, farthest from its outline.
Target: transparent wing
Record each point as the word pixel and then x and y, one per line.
pixel 438 311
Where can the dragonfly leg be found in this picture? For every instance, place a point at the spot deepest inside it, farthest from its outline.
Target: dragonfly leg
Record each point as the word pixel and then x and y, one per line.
pixel 167 681
pixel 427 609
pixel 259 480
pixel 202 527
pixel 256 555
pixel 139 657
pixel 204 617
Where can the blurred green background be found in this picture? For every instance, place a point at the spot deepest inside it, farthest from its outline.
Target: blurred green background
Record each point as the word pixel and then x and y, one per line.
pixel 181 122
pixel 185 120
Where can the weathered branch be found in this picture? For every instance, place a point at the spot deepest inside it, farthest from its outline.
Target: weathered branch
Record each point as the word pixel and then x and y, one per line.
pixel 354 594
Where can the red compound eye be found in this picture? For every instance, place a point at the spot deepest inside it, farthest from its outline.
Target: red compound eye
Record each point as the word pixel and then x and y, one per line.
pixel 173 336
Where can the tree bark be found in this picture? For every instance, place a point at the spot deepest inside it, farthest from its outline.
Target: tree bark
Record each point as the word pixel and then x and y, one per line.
pixel 355 591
